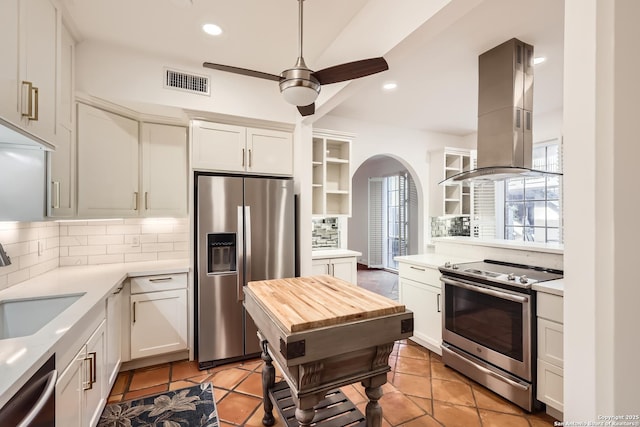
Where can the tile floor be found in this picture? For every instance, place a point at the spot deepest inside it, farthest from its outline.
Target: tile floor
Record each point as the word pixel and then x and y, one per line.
pixel 421 391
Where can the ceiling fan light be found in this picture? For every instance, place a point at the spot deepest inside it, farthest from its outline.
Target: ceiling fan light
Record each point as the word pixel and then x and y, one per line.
pixel 299 92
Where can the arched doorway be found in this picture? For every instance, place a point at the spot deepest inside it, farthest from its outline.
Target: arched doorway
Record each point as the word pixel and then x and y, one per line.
pixel 385 214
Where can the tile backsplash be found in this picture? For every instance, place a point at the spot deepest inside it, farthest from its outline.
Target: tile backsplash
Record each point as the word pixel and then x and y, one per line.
pixel 325 233
pixel 450 226
pixel 123 240
pixel 33 248
pixel 38 247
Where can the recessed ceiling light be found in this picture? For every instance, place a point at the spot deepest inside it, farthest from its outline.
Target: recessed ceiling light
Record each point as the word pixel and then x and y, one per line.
pixel 539 60
pixel 390 86
pixel 212 29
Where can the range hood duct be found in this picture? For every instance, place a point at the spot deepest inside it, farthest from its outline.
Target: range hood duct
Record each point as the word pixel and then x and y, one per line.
pixel 505 110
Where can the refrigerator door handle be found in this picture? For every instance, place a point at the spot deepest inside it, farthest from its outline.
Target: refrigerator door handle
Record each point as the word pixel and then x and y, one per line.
pixel 247 251
pixel 240 255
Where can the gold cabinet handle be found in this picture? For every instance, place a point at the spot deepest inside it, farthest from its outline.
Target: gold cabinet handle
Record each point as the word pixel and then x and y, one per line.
pixel 94 371
pixel 243 157
pixel 134 312
pixel 135 200
pixel 146 200
pixel 32 101
pixel 249 157
pixel 36 105
pixel 56 199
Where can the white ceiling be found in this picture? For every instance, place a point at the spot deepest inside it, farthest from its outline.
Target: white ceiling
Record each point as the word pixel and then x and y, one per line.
pixel 432 56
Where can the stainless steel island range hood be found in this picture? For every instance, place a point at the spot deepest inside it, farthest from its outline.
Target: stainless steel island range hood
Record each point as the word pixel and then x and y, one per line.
pixel 505 104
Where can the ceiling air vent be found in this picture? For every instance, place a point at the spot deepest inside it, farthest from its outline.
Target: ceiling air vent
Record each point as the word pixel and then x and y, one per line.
pixel 187 82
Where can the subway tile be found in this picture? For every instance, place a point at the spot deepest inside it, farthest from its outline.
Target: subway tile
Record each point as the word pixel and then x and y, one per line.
pixel 87 250
pixel 148 238
pixel 85 230
pixel 123 229
pixel 138 257
pixel 181 246
pixel 173 255
pixel 17 276
pixel 73 240
pixel 157 247
pixel 105 259
pixel 122 249
pixel 43 267
pixel 156 228
pixel 73 260
pixel 107 239
pixel 173 237
pixel 64 251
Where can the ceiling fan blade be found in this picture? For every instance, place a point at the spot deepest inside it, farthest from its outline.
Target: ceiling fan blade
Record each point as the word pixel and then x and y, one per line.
pixel 243 71
pixel 307 110
pixel 351 70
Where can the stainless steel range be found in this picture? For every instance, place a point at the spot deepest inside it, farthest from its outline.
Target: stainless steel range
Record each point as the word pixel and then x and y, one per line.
pixel 488 327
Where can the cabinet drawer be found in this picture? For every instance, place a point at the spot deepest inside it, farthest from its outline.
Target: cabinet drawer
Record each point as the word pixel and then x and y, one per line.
pixel 550 307
pixel 430 276
pixel 550 385
pixel 161 282
pixel 550 347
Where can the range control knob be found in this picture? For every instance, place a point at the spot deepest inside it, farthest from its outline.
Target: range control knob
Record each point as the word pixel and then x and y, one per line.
pixel 455 266
pixel 447 264
pixel 511 276
pixel 523 279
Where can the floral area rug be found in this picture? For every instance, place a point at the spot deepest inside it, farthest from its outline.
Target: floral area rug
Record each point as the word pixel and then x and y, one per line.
pixel 188 407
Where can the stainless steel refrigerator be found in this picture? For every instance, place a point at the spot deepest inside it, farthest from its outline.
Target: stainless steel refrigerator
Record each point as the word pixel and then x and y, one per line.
pixel 244 231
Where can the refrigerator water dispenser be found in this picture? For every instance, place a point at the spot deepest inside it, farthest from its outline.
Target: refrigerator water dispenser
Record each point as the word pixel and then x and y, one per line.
pixel 221 256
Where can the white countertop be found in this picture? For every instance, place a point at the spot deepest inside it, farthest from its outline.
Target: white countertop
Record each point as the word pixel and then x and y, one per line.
pixel 553 248
pixel 432 260
pixel 334 253
pixel 21 357
pixel 555 287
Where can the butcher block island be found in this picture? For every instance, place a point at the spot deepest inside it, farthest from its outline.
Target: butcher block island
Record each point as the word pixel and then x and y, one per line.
pixel 324 333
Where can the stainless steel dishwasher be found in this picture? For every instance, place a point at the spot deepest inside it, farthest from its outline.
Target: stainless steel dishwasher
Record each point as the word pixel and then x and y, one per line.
pixel 34 404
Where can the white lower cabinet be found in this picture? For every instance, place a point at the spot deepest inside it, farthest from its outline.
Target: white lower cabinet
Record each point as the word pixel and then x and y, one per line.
pixel 114 336
pixel 550 351
pixel 420 290
pixel 81 389
pixel 158 315
pixel 341 268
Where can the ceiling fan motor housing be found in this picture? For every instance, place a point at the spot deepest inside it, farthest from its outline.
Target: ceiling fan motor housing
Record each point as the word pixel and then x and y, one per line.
pixel 299 86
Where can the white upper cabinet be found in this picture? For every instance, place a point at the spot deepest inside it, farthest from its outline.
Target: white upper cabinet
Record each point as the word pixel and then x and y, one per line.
pixel 129 169
pixel 62 186
pixel 331 165
pixel 229 148
pixel 29 40
pixel 107 164
pixel 164 170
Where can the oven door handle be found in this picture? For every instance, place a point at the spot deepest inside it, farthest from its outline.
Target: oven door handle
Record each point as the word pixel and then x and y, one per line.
pixel 483 290
pixel 49 388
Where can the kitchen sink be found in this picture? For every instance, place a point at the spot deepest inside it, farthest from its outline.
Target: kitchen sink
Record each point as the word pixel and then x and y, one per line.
pixel 26 316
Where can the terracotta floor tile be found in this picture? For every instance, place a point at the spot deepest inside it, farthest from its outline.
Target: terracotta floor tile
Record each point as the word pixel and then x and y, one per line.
pixel 487 399
pixel 398 408
pixel 219 393
pixel 413 351
pixel 456 416
pixel 204 377
pixel 452 392
pixel 412 385
pixel 540 419
pixel 256 419
pixel 177 385
pixel 251 385
pixel 425 404
pixel 137 394
pixel 410 365
pixel 252 365
pixel 424 421
pixel 149 377
pixel 439 370
pixel 185 369
pixel 229 378
pixel 497 419
pixel 237 407
pixel 362 407
pixel 354 393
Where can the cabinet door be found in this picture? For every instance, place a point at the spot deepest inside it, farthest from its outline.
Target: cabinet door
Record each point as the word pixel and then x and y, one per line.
pixel 320 267
pixel 113 356
pixel 424 301
pixel 269 151
pixel 39 36
pixel 218 147
pixel 62 187
pixel 345 269
pixel 107 164
pixel 158 323
pixel 95 395
pixel 69 393
pixel 164 170
pixel 9 53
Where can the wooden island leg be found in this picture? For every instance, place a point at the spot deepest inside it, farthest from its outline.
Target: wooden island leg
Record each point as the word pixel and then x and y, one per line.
pixel 373 390
pixel 268 380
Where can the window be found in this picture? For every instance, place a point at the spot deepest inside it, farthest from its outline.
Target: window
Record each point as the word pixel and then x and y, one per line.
pixel 397 201
pixel 532 206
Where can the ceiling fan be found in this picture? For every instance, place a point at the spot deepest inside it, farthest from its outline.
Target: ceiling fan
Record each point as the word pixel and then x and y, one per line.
pixel 300 85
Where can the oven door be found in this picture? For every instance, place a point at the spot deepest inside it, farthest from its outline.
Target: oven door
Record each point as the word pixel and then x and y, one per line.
pixel 490 323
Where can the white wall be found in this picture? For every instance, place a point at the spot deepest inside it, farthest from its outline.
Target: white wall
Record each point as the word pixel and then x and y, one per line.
pixel 601 89
pixel 121 75
pixel 407 146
